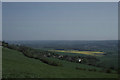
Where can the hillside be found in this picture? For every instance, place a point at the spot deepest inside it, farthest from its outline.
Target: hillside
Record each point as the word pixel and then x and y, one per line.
pixel 16 65
pixel 0 62
pixel 107 60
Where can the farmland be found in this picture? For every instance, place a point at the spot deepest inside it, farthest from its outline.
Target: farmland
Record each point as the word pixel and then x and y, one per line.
pixel 16 65
pixel 24 60
pixel 93 53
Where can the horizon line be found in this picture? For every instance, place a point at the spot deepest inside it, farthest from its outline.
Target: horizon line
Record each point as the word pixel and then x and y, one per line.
pixel 61 40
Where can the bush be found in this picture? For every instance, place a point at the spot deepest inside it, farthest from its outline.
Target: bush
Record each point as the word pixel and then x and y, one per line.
pixel 90 70
pixel 78 68
pixel 108 71
pixel 94 69
pixel 50 62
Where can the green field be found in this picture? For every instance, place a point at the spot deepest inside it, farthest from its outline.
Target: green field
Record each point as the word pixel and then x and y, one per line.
pixel 16 65
pixel 0 62
pixel 106 60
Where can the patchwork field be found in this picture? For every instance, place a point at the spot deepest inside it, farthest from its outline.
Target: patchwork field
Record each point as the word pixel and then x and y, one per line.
pixel 93 53
pixel 16 65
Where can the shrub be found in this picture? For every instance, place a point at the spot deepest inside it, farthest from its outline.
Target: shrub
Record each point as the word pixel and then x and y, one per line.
pixel 94 69
pixel 90 70
pixel 50 62
pixel 108 71
pixel 78 68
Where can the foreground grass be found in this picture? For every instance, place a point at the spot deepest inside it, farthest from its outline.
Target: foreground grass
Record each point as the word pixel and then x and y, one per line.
pixel 16 65
pixel 0 62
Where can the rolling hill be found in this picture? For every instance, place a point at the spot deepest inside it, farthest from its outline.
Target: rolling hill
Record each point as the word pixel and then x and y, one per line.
pixel 16 65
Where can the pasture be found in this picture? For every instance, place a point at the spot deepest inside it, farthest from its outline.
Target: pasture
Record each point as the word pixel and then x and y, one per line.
pixel 16 65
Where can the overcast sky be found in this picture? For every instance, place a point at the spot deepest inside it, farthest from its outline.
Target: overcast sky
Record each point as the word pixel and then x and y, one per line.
pixel 60 21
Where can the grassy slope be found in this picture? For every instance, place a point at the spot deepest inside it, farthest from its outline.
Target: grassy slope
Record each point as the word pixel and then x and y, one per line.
pixel 110 60
pixel 16 65
pixel 0 62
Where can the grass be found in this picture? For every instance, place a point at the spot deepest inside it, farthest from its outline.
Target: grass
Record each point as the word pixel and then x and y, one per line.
pixel 16 65
pixel 0 62
pixel 109 60
pixel 93 53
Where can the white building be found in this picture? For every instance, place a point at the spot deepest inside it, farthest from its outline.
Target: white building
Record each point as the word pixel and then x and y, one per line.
pixel 79 60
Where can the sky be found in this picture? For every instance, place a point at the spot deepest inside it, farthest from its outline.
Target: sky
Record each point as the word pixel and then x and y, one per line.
pixel 0 21
pixel 59 21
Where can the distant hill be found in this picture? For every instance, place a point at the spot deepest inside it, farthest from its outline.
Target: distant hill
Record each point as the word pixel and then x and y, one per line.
pixel 102 45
